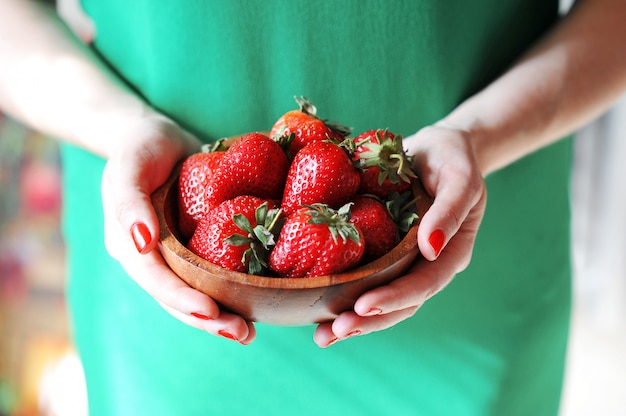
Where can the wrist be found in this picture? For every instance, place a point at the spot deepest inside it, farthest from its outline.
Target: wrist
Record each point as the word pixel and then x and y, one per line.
pixel 497 135
pixel 101 123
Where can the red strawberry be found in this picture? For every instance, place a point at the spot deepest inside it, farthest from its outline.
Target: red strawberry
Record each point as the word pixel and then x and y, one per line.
pixel 321 172
pixel 237 235
pixel 306 127
pixel 380 232
pixel 317 241
pixel 254 165
pixel 195 174
pixel 385 165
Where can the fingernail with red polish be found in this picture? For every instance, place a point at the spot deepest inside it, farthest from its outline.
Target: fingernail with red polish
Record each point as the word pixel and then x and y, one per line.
pixel 373 312
pixel 353 333
pixel 227 335
pixel 436 240
pixel 141 236
pixel 332 341
pixel 201 316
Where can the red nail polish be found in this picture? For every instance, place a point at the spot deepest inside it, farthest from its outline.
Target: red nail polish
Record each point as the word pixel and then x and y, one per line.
pixel 436 240
pixel 332 341
pixel 373 312
pixel 141 236
pixel 200 316
pixel 353 333
pixel 227 335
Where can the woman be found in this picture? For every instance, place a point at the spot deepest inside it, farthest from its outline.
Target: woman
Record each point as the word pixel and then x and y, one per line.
pixel 480 91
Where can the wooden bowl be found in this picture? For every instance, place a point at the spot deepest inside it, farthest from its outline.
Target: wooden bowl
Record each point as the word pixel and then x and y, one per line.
pixel 277 300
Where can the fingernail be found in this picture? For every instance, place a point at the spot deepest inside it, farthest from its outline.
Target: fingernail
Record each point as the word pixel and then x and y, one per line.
pixel 332 341
pixel 141 236
pixel 201 316
pixel 353 333
pixel 373 312
pixel 227 335
pixel 436 240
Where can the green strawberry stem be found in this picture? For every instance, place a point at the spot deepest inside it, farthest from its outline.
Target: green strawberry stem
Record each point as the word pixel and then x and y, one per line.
pixel 343 131
pixel 337 221
pixel 401 207
pixel 260 238
pixel 284 140
pixel 307 107
pixel 216 146
pixel 390 157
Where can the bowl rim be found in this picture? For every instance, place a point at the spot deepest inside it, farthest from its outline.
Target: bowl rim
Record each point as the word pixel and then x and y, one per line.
pixel 161 197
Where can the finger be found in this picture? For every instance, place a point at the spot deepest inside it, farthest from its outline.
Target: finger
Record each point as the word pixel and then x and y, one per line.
pixel 128 212
pixel 251 334
pixel 455 197
pixel 232 327
pixel 349 324
pixel 458 189
pixel 155 277
pixel 425 278
pixel 75 17
pixel 324 336
pixel 229 326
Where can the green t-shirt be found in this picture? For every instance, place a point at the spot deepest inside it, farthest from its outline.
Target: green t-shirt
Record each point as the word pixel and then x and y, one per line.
pixel 493 342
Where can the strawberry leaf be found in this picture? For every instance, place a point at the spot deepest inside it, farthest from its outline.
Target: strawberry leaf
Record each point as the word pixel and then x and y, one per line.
pixel 273 220
pixel 264 236
pixel 260 213
pixel 401 207
pixel 256 265
pixel 243 223
pixel 306 105
pixel 216 146
pixel 340 129
pixel 260 238
pixel 389 156
pixel 237 240
pixel 337 221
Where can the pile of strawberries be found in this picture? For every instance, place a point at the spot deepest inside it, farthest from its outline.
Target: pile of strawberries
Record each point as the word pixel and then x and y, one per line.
pixel 305 201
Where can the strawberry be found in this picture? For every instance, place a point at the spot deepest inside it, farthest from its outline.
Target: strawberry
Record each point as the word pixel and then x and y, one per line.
pixel 385 165
pixel 253 165
pixel 317 241
pixel 305 127
pixel 321 172
pixel 237 234
pixel 380 232
pixel 195 174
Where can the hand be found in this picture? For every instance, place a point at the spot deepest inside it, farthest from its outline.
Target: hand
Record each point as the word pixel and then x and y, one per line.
pixel 445 162
pixel 136 167
pixel 76 19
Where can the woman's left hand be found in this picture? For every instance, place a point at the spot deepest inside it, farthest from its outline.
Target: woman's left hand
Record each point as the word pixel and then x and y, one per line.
pixel 445 162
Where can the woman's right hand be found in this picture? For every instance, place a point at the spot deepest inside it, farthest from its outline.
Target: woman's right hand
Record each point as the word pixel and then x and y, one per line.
pixel 137 166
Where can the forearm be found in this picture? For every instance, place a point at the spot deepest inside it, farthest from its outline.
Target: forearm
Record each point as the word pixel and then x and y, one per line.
pixel 52 82
pixel 569 78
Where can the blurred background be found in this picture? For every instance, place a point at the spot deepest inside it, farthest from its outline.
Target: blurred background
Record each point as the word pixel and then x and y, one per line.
pixel 39 373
